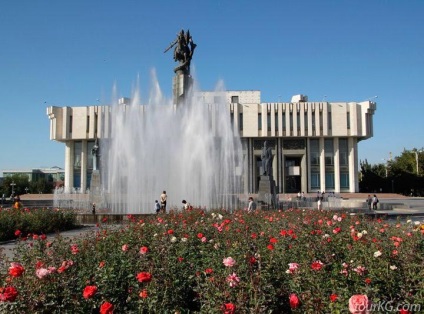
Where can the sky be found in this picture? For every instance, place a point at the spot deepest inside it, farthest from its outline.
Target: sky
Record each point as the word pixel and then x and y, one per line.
pixel 72 53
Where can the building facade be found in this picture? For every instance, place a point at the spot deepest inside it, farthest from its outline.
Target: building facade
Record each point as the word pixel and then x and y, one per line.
pixel 314 144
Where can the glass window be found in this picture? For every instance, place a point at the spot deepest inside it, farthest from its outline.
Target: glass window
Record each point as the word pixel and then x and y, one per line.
pixel 284 121
pixel 234 99
pixel 314 152
pixel 344 180
pixel 306 121
pixel 315 180
pixel 343 152
pixel 240 121
pixel 329 180
pixel 276 121
pixel 329 151
pixel 77 154
pixel 259 121
pixel 268 121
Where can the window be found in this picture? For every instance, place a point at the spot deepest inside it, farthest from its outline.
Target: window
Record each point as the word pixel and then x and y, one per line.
pixel 329 120
pixel 315 180
pixel 306 121
pixel 276 121
pixel 315 154
pixel 240 121
pixel 235 99
pixel 268 121
pixel 313 121
pixel 329 152
pixel 343 152
pixel 298 120
pixel 321 123
pixel 77 154
pixel 291 121
pixel 88 124
pixel 259 121
pixel 344 180
pixel 329 180
pixel 283 124
pixel 70 124
pixel 232 120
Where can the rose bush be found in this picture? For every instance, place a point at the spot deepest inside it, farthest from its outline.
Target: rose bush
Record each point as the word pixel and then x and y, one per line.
pixel 24 221
pixel 295 261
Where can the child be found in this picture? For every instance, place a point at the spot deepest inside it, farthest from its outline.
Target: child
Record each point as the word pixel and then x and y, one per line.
pixel 157 207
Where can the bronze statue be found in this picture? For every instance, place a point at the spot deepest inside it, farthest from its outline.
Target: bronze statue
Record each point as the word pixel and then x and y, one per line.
pixel 266 160
pixel 183 51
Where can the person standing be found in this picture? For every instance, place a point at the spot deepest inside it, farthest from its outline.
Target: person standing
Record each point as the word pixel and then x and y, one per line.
pixel 369 201
pixel 251 207
pixel 374 202
pixel 163 198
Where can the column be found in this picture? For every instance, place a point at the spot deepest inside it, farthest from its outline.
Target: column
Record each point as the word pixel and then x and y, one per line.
pixel 69 174
pixel 336 165
pixel 321 164
pixel 353 167
pixel 83 166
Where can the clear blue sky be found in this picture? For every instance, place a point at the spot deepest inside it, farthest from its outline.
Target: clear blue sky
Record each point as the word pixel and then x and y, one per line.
pixel 70 53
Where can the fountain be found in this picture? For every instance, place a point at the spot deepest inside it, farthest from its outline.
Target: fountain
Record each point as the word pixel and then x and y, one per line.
pixel 185 146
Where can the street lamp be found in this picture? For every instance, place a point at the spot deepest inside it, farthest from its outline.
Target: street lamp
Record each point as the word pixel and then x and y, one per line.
pixel 26 190
pixel 13 187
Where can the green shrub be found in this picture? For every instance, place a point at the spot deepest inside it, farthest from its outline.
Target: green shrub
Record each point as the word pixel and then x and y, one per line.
pixel 34 221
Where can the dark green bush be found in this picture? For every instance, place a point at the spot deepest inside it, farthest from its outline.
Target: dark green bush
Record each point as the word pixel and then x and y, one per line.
pixel 36 221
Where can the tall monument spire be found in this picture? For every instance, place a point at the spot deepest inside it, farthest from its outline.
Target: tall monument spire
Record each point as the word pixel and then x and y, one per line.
pixel 183 53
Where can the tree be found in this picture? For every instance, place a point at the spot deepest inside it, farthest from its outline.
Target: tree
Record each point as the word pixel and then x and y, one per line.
pixel 20 181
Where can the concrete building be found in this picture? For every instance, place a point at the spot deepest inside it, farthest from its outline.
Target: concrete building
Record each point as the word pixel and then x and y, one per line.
pixel 314 144
pixel 52 174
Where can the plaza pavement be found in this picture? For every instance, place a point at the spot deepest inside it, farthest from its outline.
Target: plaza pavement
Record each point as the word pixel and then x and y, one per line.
pixel 393 206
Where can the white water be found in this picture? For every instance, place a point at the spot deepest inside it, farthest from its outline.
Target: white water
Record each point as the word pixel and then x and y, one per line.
pixel 189 150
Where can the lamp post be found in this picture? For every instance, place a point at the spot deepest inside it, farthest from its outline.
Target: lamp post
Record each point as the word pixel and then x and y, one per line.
pixel 13 187
pixel 26 190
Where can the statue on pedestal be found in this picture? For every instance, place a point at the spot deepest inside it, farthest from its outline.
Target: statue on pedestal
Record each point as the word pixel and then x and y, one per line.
pixel 95 153
pixel 266 160
pixel 183 51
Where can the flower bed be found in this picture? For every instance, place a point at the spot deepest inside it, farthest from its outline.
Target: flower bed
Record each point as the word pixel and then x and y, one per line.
pixel 267 262
pixel 18 221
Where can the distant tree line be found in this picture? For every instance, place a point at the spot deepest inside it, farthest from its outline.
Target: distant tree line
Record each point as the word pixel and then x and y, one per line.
pixel 403 174
pixel 20 184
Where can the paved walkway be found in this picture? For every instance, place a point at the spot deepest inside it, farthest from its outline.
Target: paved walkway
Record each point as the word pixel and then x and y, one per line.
pixel 402 206
pixel 9 246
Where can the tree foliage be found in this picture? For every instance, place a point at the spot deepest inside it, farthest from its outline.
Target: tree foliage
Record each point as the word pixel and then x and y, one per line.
pixel 398 175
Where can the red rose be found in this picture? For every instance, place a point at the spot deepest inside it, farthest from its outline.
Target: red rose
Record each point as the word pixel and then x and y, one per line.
pixel 229 308
pixel 89 292
pixel 18 233
pixel 144 250
pixel 294 301
pixel 333 297
pixel 8 294
pixel 16 269
pixel 317 265
pixel 106 308
pixel 144 277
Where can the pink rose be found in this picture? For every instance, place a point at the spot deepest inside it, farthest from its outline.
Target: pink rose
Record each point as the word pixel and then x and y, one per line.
pixel 359 304
pixel 42 272
pixel 125 247
pixel 229 261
